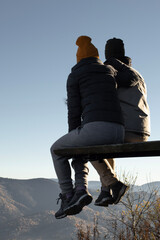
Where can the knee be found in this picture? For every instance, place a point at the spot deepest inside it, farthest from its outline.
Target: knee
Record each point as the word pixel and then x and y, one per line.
pixel 52 148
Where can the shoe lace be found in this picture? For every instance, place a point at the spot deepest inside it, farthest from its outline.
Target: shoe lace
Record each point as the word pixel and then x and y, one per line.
pixel 60 198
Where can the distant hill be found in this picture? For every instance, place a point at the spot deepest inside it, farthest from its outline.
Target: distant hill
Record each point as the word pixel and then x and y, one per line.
pixel 21 197
pixel 27 210
pixel 148 187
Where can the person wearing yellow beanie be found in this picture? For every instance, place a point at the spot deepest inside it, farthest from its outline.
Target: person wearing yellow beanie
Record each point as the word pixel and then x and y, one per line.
pixel 94 118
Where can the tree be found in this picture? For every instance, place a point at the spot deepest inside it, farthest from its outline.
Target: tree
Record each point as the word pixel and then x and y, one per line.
pixel 136 217
pixel 88 232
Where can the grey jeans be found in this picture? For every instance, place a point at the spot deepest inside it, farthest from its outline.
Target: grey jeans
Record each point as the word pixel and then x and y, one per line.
pixel 102 168
pixel 94 133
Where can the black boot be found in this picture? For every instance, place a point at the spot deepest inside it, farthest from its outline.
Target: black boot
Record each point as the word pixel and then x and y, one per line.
pixel 80 199
pixel 118 191
pixel 104 199
pixel 64 204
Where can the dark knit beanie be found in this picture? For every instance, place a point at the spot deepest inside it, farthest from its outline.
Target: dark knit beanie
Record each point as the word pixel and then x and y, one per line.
pixel 114 48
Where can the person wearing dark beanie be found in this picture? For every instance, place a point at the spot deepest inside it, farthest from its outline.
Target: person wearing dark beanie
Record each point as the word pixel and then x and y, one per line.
pixel 132 94
pixel 114 48
pixel 94 118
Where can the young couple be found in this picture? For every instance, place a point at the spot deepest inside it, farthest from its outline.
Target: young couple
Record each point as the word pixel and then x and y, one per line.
pixel 106 105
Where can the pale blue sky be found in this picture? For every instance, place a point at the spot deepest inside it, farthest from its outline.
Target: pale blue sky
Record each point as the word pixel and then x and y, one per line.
pixel 37 52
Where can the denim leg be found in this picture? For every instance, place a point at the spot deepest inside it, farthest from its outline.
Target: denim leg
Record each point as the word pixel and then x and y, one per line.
pixel 81 169
pixel 63 171
pixel 62 167
pixel 94 133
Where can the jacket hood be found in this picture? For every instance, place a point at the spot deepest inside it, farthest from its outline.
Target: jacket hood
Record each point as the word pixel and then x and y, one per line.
pixel 126 60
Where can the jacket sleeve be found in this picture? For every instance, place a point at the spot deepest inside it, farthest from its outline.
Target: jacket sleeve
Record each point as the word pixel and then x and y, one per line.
pixel 73 103
pixel 126 76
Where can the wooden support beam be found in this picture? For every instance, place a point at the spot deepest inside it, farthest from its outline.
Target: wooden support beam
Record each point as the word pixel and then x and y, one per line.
pixel 143 149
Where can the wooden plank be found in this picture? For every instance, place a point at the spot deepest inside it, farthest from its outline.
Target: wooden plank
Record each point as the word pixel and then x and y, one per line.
pixel 143 149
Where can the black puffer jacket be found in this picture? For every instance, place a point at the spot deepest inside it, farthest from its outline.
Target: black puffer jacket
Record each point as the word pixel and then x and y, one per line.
pixel 91 94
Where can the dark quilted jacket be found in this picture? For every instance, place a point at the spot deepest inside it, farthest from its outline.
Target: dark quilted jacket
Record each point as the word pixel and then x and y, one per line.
pixel 92 94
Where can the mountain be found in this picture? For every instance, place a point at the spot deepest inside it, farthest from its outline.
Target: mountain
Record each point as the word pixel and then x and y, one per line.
pixel 27 210
pixel 21 197
pixel 148 187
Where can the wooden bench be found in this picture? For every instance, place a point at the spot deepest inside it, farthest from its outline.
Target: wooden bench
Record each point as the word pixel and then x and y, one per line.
pixel 143 149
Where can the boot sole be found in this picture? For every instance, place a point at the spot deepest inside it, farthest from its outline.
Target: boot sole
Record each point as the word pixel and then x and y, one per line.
pixel 104 202
pixel 101 204
pixel 62 216
pixel 78 206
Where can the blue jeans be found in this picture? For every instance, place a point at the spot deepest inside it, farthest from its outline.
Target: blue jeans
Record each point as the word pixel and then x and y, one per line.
pixel 94 133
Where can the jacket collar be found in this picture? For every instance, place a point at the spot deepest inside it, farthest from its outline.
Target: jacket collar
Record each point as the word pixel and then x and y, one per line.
pixel 86 61
pixel 125 59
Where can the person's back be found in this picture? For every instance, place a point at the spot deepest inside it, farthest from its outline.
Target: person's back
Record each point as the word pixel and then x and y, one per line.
pixel 93 84
pixel 134 106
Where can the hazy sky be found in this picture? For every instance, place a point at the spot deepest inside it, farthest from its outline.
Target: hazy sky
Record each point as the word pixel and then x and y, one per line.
pixel 37 52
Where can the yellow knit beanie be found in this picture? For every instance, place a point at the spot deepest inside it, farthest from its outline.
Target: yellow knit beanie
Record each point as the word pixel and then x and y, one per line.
pixel 85 48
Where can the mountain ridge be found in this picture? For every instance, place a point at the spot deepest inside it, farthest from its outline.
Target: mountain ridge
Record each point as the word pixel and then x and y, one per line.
pixel 28 206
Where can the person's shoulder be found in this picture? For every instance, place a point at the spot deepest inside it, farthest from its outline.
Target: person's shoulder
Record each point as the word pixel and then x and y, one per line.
pixel 136 72
pixel 110 69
